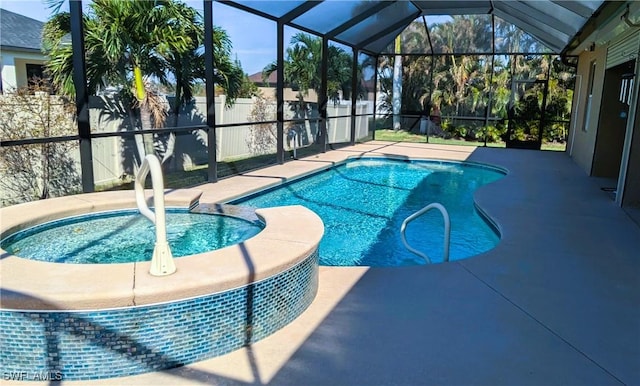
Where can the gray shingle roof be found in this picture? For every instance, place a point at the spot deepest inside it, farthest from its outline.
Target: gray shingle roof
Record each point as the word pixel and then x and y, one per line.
pixel 18 31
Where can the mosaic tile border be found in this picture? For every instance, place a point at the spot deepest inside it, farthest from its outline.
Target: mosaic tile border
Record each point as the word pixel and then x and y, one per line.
pixel 81 345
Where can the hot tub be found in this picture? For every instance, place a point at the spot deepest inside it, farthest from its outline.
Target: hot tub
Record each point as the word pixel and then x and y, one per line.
pixel 92 321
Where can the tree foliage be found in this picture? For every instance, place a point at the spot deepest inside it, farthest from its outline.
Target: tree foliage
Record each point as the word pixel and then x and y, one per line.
pixel 130 44
pixel 462 85
pixel 302 67
pixel 302 72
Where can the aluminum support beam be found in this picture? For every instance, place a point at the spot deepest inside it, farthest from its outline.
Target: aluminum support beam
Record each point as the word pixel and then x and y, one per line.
pixel 299 10
pixel 404 22
pixel 322 98
pixel 280 94
pixel 212 175
pixel 375 95
pixel 354 95
pixel 82 95
pixel 358 18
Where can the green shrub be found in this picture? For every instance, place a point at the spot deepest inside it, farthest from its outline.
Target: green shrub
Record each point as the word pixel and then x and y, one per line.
pixel 491 133
pixel 459 131
pixel 555 132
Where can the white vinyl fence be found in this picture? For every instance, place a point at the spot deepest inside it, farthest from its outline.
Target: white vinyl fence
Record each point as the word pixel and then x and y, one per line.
pixel 114 158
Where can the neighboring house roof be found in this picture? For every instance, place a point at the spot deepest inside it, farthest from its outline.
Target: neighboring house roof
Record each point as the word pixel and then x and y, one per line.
pixel 258 81
pixel 20 32
pixel 271 81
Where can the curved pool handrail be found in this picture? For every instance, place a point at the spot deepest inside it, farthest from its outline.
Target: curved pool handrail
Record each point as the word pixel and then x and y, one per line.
pixel 447 230
pixel 162 260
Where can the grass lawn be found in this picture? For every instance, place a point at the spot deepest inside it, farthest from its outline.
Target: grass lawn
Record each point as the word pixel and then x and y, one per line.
pixel 405 136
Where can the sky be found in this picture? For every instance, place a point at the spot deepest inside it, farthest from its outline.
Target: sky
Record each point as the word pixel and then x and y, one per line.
pixel 253 37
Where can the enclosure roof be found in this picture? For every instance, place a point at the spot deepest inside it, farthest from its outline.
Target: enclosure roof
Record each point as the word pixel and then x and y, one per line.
pixel 372 24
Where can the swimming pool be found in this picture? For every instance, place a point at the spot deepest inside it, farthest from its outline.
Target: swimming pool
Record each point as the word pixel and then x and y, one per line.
pixel 363 203
pixel 124 236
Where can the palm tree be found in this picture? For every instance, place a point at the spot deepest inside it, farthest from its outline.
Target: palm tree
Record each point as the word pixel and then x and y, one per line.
pixel 188 66
pixel 128 43
pixel 338 74
pixel 501 90
pixel 302 68
pixel 405 81
pixel 459 78
pixel 396 96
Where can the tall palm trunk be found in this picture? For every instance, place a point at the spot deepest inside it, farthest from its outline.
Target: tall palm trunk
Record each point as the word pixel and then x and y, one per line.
pixel 175 109
pixel 396 92
pixel 307 136
pixel 145 115
pixel 146 123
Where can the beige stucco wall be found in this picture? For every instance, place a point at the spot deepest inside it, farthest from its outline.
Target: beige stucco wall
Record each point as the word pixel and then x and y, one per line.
pixel 21 69
pixel 582 140
pixel 14 69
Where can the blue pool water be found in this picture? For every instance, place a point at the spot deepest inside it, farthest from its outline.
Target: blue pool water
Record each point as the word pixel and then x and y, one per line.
pixel 125 236
pixel 364 202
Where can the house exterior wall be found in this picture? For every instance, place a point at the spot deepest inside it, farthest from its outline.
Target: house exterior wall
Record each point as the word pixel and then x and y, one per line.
pixel 14 67
pixel 289 94
pixel 8 71
pixel 21 69
pixel 611 37
pixel 583 139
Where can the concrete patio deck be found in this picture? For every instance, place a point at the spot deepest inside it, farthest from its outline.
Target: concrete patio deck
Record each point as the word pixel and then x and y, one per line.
pixel 557 302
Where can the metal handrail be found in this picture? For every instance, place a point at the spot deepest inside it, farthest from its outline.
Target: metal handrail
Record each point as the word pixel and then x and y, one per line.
pixel 447 230
pixel 162 260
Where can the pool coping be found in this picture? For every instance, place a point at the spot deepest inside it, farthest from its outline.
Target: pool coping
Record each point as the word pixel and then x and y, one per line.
pixel 37 285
